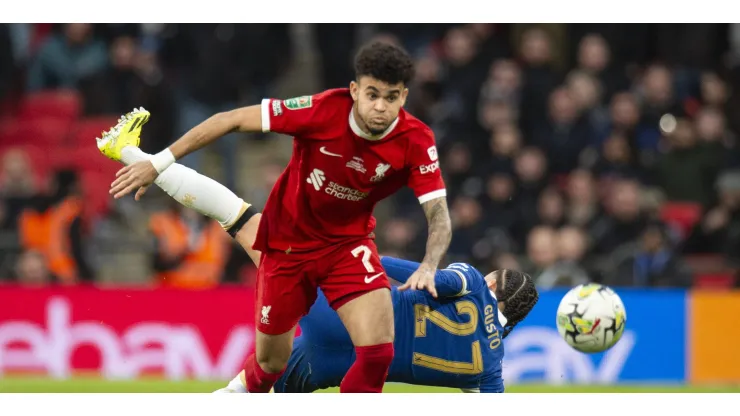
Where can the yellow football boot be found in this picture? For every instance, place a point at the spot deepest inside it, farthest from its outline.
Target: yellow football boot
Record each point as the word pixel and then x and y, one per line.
pixel 126 133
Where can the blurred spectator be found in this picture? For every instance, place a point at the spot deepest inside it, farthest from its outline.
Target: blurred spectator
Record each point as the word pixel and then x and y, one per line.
pixel 504 145
pixel 54 226
pixel 7 61
pixel 67 57
pixel 551 208
pixel 402 236
pixel 504 85
pixel 31 270
pixel 427 88
pixel 17 186
pixel 624 219
pixel 687 170
pixel 617 158
pixel 653 263
pixel 719 230
pixel 495 114
pixel 466 214
pixel 16 175
pixel 191 250
pixel 530 168
pixel 457 167
pixel 500 209
pixel 336 43
pixel 535 52
pixel 625 116
pixel 658 99
pixel 586 91
pixel 463 79
pixel 547 268
pixel 565 134
pixel 583 203
pixel 714 91
pixel 594 57
pixel 137 81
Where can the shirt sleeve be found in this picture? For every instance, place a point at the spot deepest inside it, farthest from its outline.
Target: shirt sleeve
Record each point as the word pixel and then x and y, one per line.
pixel 425 178
pixel 300 117
pixel 449 283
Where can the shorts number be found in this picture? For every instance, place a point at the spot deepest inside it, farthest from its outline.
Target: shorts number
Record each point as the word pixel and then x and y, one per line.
pixel 366 252
pixel 424 314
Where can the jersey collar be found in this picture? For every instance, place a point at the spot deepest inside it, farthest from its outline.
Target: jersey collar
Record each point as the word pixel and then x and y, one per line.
pixel 501 318
pixel 358 131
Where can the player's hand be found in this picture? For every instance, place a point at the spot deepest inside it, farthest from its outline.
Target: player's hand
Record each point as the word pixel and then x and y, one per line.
pixel 139 176
pixel 423 278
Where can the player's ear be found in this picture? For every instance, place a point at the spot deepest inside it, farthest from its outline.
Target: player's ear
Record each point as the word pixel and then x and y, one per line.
pixel 493 285
pixel 404 95
pixel 354 90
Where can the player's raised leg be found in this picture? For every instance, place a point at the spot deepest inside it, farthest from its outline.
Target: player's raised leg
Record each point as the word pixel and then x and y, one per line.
pixel 121 143
pixel 358 289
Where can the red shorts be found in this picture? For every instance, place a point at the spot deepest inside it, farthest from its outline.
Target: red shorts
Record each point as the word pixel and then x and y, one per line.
pixel 287 283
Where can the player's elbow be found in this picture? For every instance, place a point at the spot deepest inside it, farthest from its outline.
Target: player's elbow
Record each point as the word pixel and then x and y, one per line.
pixel 246 119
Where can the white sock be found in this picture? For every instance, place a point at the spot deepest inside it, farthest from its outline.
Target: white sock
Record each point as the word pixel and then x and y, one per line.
pixel 193 190
pixel 234 386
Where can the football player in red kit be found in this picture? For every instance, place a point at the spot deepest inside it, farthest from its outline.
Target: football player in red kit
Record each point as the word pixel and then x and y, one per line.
pixel 352 148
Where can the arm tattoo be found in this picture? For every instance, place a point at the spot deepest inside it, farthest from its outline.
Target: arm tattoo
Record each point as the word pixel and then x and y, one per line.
pixel 440 231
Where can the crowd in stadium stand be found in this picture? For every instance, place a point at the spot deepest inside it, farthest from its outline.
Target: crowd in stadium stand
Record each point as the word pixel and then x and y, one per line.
pixel 573 152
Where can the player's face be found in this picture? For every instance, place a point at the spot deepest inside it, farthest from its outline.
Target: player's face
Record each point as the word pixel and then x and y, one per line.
pixel 377 103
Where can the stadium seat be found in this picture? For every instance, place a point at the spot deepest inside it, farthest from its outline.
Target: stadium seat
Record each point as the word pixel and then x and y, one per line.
pixel 682 215
pixel 87 129
pixel 43 131
pixel 60 104
pixel 714 281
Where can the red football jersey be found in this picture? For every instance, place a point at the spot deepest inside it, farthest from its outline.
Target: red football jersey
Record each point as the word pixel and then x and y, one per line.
pixel 338 173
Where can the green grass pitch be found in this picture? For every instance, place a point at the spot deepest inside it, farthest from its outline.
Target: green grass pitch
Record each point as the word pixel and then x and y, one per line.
pixel 97 385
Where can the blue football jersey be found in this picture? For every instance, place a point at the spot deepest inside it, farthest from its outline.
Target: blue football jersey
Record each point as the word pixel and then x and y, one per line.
pixel 452 341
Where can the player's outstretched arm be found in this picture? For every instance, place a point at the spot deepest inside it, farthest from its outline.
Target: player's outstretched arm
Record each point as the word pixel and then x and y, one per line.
pixel 448 283
pixel 142 174
pixel 245 119
pixel 440 233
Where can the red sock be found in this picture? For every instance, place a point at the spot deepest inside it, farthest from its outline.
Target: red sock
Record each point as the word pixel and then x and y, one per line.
pixel 257 380
pixel 368 373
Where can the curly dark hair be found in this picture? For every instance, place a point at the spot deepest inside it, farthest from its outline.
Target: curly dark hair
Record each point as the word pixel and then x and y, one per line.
pixel 384 62
pixel 518 293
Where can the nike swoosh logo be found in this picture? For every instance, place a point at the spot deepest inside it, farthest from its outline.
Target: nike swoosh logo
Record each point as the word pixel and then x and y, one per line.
pixel 328 153
pixel 371 278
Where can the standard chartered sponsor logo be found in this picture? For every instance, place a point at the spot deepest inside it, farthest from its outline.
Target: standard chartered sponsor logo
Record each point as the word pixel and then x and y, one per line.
pixel 343 192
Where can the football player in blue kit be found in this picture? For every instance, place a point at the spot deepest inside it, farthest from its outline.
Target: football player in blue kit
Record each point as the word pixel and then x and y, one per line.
pixel 452 341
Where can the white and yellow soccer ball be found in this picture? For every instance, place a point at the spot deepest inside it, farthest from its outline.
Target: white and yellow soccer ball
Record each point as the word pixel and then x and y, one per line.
pixel 591 318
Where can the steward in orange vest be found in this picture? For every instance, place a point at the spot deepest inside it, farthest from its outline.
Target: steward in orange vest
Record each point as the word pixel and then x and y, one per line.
pixel 191 250
pixel 53 227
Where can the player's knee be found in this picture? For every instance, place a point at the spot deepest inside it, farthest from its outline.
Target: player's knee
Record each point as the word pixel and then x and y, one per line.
pixel 272 363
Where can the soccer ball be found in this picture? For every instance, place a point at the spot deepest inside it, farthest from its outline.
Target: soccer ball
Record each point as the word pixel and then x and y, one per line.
pixel 591 318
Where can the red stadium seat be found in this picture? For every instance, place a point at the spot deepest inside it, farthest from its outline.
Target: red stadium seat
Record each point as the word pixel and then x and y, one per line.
pixel 45 131
pixel 87 129
pixel 682 215
pixel 60 104
pixel 714 281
